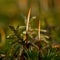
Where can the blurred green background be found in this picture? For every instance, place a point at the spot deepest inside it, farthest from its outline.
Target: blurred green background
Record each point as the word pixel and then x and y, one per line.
pixel 11 10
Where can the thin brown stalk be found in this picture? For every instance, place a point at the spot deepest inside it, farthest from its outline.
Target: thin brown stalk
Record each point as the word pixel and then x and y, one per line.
pixel 39 29
pixel 28 18
pixel 27 24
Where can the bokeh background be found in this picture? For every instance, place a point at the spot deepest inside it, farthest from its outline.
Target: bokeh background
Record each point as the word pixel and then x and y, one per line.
pixel 10 10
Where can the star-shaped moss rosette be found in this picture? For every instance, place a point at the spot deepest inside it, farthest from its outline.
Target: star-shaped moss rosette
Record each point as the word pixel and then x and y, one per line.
pixel 23 41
